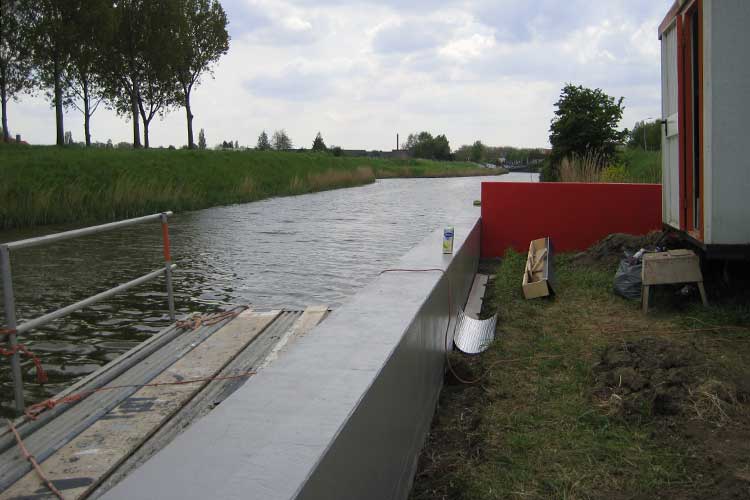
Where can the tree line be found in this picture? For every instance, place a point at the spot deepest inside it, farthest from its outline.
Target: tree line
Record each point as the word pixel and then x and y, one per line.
pixel 586 125
pixel 140 58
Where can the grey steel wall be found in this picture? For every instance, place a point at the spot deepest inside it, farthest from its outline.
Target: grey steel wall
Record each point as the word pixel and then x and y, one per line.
pixel 344 413
pixel 727 75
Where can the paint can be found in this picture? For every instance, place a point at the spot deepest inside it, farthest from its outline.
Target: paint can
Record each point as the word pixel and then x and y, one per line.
pixel 448 233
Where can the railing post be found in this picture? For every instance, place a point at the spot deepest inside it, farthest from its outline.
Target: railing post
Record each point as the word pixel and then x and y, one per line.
pixel 168 265
pixel 9 303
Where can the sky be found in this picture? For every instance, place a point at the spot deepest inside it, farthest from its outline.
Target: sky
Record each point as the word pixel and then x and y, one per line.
pixel 360 72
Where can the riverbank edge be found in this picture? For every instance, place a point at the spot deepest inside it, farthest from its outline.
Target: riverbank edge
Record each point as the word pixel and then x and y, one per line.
pixel 45 186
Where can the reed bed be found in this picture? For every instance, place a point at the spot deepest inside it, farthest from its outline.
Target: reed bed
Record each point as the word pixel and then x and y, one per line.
pixel 47 185
pixel 629 166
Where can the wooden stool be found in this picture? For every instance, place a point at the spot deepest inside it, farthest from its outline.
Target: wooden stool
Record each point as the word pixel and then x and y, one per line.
pixel 672 267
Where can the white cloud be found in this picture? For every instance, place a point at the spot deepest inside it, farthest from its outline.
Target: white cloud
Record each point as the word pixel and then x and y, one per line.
pixel 361 71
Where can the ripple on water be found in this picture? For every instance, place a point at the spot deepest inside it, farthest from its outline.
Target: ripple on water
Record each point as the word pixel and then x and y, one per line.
pixel 312 249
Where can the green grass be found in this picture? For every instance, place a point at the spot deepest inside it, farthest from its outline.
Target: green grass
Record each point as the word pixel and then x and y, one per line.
pixel 48 185
pixel 635 165
pixel 532 427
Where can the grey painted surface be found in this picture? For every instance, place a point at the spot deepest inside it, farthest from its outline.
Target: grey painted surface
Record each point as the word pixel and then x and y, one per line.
pixel 670 144
pixel 729 109
pixel 344 413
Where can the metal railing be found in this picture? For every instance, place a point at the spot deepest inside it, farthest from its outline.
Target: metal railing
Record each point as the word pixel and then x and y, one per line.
pixel 12 328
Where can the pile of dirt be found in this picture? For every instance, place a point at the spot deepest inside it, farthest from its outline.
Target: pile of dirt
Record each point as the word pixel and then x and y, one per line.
pixel 611 248
pixel 654 377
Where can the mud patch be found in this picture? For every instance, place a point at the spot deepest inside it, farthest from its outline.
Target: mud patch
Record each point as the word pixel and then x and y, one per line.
pixel 649 377
pixel 610 250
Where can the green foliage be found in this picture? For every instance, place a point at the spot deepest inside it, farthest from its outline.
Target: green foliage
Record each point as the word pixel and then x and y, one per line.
pixel 263 142
pixel 47 185
pixel 318 145
pixel 281 141
pixel 478 152
pixel 15 57
pixel 493 154
pixel 585 120
pixel 142 56
pixel 650 132
pixel 424 145
pixel 548 173
pixel 50 29
pixel 201 39
pixel 640 166
pixel 336 151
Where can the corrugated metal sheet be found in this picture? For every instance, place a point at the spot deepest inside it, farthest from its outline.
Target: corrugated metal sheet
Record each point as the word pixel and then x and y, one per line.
pixel 474 336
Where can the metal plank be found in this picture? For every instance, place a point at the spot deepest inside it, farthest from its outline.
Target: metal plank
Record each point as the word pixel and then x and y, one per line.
pixel 206 400
pixel 100 377
pixel 96 451
pixel 60 430
pixel 309 319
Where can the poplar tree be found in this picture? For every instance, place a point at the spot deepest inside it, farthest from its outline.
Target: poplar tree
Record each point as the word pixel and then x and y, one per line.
pixel 139 79
pixel 202 139
pixel 121 78
pixel 263 142
pixel 318 145
pixel 91 38
pixel 15 57
pixel 51 38
pixel 202 38
pixel 158 88
pixel 281 141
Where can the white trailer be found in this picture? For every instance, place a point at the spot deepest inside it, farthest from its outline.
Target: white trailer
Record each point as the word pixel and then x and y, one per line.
pixel 705 100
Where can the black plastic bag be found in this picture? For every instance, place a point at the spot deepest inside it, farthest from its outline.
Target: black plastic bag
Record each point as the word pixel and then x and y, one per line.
pixel 628 280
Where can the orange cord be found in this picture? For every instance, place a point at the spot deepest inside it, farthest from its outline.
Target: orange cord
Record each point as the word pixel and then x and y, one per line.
pixel 28 456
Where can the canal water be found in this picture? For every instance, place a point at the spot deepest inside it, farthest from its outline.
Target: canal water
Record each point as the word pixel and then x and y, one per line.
pixel 284 252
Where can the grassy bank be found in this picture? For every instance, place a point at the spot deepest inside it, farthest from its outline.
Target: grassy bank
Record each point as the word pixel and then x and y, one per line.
pixel 631 165
pixel 566 407
pixel 635 165
pixel 47 185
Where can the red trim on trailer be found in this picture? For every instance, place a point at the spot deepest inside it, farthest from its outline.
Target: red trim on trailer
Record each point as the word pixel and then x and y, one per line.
pixel 681 122
pixel 669 18
pixel 690 120
pixel 687 108
pixel 699 4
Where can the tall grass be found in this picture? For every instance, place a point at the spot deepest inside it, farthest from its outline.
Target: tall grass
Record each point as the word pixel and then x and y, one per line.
pixel 581 168
pixel 47 185
pixel 629 166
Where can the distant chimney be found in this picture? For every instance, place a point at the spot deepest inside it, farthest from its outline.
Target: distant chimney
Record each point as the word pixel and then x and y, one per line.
pixel 396 142
pixel 18 138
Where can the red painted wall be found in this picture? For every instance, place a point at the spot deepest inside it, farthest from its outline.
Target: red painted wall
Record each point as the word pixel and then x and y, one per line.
pixel 575 216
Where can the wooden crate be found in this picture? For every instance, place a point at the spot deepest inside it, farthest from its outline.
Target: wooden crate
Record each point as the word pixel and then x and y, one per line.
pixel 671 267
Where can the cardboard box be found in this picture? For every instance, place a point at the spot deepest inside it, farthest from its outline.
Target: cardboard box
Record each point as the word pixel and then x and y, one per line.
pixel 537 276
